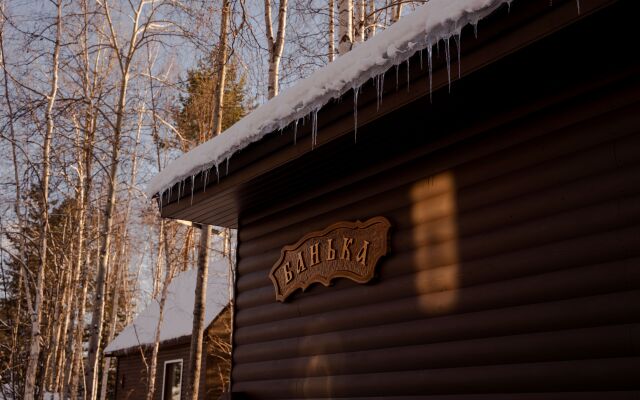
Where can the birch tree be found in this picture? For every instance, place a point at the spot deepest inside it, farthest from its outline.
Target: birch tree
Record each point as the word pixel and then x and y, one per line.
pixel 345 25
pixel 36 318
pixel 275 43
pixel 199 307
pixel 360 25
pixel 332 27
pixel 141 31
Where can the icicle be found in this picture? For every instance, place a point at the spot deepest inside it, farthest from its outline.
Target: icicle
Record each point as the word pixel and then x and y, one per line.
pixel 355 113
pixel 205 175
pixel 397 71
pixel 408 65
pixel 420 52
pixel 578 5
pixel 295 131
pixel 217 172
pixel 475 29
pixel 377 80
pixel 448 56
pixel 314 128
pixel 227 162
pixel 458 39
pixel 381 89
pixel 193 185
pixel 430 66
pixel 179 186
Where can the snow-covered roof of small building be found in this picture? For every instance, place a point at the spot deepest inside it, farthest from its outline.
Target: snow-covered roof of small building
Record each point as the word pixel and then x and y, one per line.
pixel 178 310
pixel 436 20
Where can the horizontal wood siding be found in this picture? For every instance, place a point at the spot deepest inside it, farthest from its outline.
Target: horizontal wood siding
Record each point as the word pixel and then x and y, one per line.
pixel 514 270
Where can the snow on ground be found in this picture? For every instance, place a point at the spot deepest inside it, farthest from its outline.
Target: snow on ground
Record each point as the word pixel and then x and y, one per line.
pixel 178 311
pixel 436 20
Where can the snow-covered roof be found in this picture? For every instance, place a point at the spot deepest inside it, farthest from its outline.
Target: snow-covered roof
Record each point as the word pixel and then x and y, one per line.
pixel 178 312
pixel 436 20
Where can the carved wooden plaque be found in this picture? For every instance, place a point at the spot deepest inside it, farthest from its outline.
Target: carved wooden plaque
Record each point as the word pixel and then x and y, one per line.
pixel 343 250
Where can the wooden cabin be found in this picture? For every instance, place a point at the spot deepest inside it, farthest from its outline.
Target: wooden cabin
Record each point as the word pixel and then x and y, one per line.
pixel 136 340
pixel 510 265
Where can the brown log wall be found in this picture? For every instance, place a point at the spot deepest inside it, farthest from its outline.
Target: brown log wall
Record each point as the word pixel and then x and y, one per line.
pixel 514 270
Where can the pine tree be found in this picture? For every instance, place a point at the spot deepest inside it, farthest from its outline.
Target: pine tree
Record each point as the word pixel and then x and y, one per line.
pixel 193 119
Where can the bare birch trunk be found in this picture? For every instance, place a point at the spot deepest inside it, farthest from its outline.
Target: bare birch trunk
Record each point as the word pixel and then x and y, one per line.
pixel 97 318
pixel 371 20
pixel 84 185
pixel 396 11
pixel 82 259
pixel 118 271
pixel 17 207
pixel 332 25
pixel 345 29
pixel 199 308
pixel 163 298
pixel 112 329
pixel 221 66
pixel 36 318
pixel 61 315
pixel 276 45
pixel 359 28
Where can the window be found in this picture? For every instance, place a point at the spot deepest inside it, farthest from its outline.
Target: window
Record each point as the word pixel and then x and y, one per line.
pixel 172 382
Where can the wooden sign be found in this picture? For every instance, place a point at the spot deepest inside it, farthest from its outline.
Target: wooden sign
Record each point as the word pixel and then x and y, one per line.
pixel 343 250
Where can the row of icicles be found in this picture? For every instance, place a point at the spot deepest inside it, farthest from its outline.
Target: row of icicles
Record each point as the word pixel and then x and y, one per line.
pixel 378 82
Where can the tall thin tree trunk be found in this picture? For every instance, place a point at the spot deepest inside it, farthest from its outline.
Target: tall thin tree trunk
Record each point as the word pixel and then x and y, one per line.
pixel 82 258
pixel 371 20
pixel 115 298
pixel 97 318
pixel 151 387
pixel 275 44
pixel 396 11
pixel 17 207
pixel 36 318
pixel 332 27
pixel 199 308
pixel 84 186
pixel 221 67
pixel 359 28
pixel 345 25
pixel 120 263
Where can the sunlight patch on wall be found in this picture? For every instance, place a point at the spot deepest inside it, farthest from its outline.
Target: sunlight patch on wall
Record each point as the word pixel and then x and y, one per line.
pixel 435 240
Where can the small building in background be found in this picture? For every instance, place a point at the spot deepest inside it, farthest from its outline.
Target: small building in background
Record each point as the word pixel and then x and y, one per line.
pixel 132 347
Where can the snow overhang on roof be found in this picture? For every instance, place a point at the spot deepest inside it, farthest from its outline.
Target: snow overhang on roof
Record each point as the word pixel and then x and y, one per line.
pixel 178 311
pixel 436 20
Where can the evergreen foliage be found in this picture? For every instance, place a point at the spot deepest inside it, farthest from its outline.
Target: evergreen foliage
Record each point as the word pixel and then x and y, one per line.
pixel 194 119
